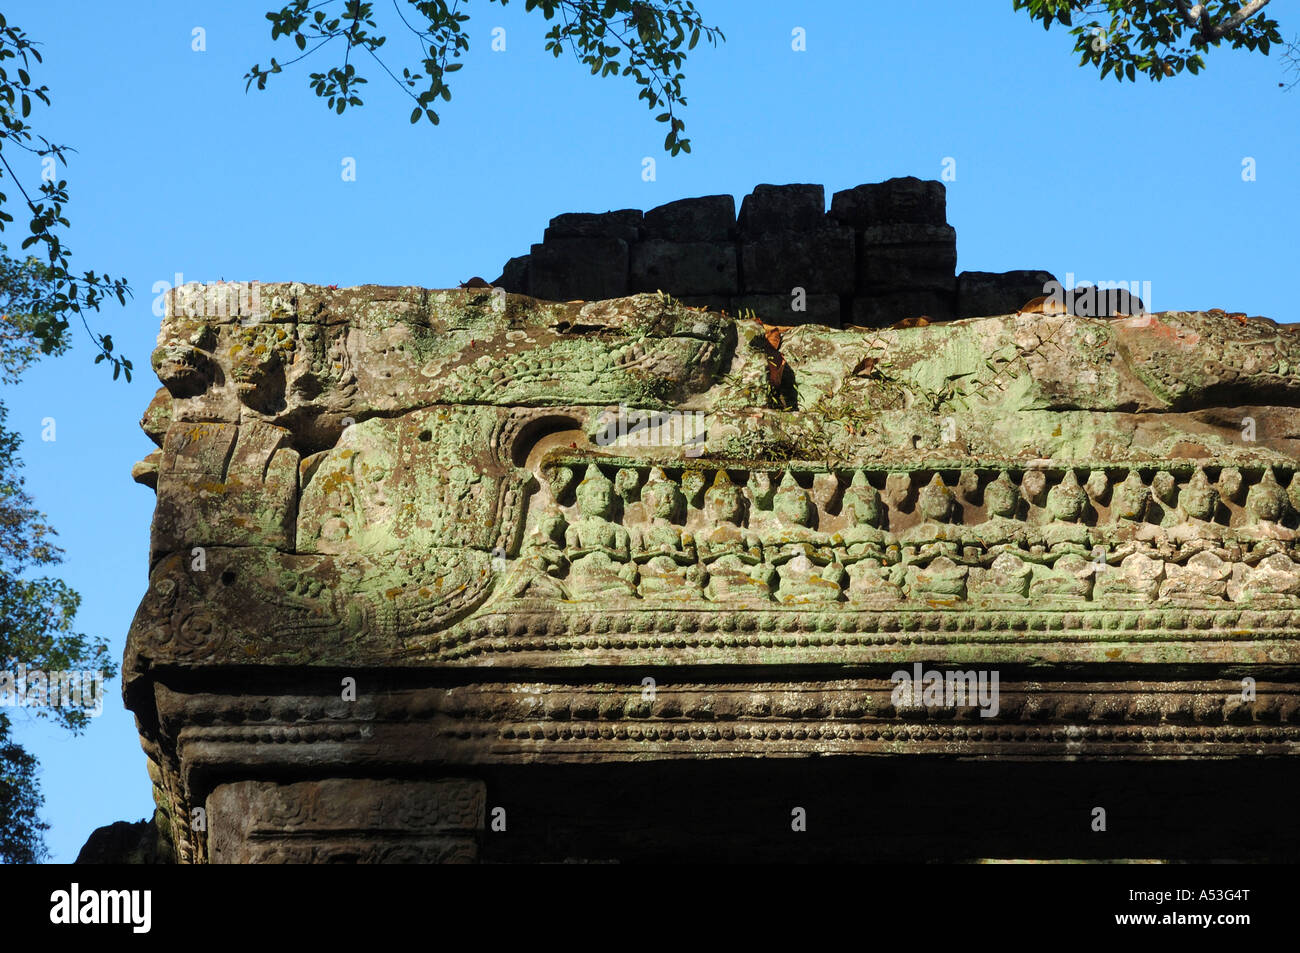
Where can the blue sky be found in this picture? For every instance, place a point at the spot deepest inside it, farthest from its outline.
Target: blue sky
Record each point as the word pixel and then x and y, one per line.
pixel 179 171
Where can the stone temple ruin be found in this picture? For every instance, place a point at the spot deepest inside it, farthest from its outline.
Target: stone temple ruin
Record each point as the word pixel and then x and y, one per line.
pixel 474 575
pixel 883 253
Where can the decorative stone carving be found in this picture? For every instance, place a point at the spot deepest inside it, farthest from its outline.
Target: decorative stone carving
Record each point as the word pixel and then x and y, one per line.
pixel 666 552
pixel 732 556
pixel 1062 545
pixel 598 550
pixel 806 564
pixel 929 547
pixel 871 556
pixel 408 488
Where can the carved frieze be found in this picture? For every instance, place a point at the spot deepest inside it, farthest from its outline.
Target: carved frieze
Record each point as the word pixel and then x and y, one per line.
pixel 498 516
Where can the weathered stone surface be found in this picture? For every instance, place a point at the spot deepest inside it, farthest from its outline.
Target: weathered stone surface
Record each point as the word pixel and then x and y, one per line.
pixel 572 268
pixel 981 293
pixel 709 302
pixel 784 239
pixel 1101 301
pixel 225 484
pixel 889 307
pixel 902 201
pixel 514 276
pixel 820 309
pixel 907 258
pixel 346 820
pixel 496 516
pixel 158 416
pixel 710 218
pixel 776 209
pixel 144 842
pixel 625 225
pixel 819 261
pixel 687 268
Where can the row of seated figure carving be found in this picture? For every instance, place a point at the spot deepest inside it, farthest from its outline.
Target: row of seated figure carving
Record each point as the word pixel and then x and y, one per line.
pixel 588 555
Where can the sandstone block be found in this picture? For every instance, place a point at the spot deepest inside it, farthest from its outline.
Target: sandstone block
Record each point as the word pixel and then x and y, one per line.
pixel 711 302
pixel 902 201
pixel 624 224
pixel 907 257
pixel 820 262
pixel 514 276
pixel 821 309
pixel 773 209
pixel 684 268
pixel 710 218
pixel 565 269
pixel 882 310
pixel 981 293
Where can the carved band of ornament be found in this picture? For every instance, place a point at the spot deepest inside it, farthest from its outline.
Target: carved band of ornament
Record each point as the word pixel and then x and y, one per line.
pixel 1158 492
pixel 827 731
pixel 950 468
pixel 331 731
pixel 823 537
pixel 480 709
pixel 855 730
pixel 791 628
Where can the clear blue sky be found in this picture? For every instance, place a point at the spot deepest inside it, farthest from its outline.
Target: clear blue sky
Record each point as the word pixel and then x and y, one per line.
pixel 178 170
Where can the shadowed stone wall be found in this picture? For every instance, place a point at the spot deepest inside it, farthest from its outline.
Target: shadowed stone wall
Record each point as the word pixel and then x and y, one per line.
pixel 883 253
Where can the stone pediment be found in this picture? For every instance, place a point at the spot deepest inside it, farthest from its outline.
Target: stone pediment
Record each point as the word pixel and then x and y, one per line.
pixel 473 495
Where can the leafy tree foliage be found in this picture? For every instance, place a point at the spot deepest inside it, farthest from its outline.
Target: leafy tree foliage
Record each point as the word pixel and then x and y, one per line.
pixel 38 296
pixel 641 39
pixel 1156 38
pixel 648 40
pixel 25 296
pixel 21 829
pixel 36 611
pixel 68 293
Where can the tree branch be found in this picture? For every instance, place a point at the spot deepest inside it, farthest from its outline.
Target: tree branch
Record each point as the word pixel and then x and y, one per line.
pixel 1196 18
pixel 1246 11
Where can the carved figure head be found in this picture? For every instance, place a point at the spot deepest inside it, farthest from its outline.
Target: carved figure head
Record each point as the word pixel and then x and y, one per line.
pixel 791 503
pixel 934 501
pixel 661 497
pixel 1129 501
pixel 1066 500
pixel 1266 499
pixel 595 494
pixel 1001 497
pixel 723 502
pixel 861 502
pixel 1199 498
